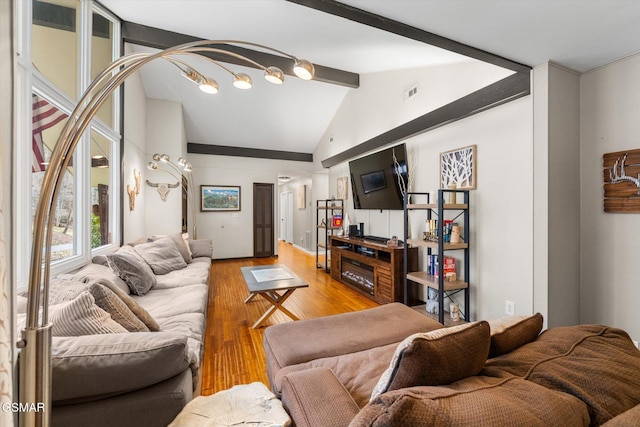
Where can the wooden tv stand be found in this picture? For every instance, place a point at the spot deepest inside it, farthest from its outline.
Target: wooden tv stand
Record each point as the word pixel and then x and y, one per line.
pixel 371 268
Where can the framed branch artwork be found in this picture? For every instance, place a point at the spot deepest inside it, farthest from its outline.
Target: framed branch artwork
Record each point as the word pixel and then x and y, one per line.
pixel 342 188
pixel 458 167
pixel 216 198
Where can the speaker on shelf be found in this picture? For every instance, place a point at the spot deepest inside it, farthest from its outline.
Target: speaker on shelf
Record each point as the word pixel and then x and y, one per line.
pixel 353 230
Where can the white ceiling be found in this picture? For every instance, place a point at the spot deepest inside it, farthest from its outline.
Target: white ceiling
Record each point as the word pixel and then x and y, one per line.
pixel 579 34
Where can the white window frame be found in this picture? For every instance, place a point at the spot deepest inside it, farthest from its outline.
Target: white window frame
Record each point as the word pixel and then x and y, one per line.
pixel 28 81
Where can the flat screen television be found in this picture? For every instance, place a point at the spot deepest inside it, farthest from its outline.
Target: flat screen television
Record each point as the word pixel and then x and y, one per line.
pixel 377 179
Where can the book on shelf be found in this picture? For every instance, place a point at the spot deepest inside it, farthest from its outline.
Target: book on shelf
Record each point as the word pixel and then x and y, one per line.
pixel 448 267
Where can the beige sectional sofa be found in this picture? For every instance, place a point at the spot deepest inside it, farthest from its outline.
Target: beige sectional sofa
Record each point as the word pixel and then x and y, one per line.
pixel 141 364
pixel 392 365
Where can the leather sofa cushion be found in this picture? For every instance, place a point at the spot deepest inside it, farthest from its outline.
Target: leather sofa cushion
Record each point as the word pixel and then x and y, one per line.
pixel 474 401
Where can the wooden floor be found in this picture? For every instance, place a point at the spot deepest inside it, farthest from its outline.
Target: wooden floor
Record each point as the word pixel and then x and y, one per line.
pixel 233 351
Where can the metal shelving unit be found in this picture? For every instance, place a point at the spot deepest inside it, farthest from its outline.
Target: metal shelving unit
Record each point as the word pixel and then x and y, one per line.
pixel 436 210
pixel 325 223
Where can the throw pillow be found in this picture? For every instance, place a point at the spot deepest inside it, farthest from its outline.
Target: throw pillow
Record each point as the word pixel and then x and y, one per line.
pixel 436 358
pixel 105 298
pixel 135 308
pixel 100 260
pixel 511 332
pixel 181 245
pixel 185 238
pixel 133 270
pixel 201 247
pixel 162 255
pixel 81 316
pixel 138 310
pixel 102 274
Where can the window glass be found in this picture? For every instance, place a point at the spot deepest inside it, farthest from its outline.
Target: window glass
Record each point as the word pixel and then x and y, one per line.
pixel 102 48
pixel 55 43
pixel 48 122
pixel 100 190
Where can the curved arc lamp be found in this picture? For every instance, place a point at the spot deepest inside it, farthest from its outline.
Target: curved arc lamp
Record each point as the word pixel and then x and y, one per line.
pixel 35 343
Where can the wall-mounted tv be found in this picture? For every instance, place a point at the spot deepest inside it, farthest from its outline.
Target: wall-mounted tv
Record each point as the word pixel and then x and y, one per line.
pixel 376 179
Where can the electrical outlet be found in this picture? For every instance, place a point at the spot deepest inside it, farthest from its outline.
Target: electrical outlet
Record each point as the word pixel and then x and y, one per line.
pixel 509 307
pixel 636 343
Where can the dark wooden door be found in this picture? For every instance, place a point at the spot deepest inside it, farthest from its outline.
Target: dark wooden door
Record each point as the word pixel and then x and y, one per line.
pixel 185 213
pixel 263 241
pixel 103 212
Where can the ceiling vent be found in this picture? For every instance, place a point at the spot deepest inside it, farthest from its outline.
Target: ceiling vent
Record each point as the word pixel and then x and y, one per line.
pixel 410 93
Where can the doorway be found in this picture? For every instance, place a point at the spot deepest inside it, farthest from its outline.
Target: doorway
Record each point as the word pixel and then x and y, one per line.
pixel 286 216
pixel 263 215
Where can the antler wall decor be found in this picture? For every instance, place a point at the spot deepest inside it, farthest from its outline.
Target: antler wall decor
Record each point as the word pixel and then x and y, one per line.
pixel 616 177
pixel 134 190
pixel 621 175
pixel 163 188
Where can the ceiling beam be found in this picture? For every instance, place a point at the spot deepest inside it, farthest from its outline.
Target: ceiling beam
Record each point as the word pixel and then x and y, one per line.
pixel 258 153
pixel 396 27
pixel 513 87
pixel 162 39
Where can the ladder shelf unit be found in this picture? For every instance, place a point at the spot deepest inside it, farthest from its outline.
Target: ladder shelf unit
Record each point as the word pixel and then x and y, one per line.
pixel 439 244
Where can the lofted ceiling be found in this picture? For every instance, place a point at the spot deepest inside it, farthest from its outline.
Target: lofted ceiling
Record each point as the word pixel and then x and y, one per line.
pixel 578 34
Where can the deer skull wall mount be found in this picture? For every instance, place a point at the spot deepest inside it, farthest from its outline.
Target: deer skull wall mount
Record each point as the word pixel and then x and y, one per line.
pixel 163 188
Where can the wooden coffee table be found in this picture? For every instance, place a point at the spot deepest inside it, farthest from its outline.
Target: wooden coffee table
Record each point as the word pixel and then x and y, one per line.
pixel 268 281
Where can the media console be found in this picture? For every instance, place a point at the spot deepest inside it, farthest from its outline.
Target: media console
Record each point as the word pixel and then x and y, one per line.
pixel 371 268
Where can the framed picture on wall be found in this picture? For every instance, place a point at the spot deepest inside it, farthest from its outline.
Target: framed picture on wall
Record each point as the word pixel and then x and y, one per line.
pixel 458 167
pixel 342 188
pixel 302 196
pixel 216 198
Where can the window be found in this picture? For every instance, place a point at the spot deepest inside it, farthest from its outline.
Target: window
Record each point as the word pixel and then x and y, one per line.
pixel 47 123
pixel 70 39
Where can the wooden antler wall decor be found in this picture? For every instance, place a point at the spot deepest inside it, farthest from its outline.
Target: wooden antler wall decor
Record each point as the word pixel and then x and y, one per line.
pixel 135 190
pixel 163 188
pixel 621 173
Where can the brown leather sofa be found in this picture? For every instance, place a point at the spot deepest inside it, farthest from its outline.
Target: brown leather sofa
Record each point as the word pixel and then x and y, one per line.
pixel 487 374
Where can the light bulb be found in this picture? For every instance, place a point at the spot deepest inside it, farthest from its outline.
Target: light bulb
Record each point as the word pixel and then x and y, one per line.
pixel 209 86
pixel 242 81
pixel 274 75
pixel 304 69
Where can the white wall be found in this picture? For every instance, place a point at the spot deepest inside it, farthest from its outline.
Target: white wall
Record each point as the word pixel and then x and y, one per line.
pixel 556 194
pixel 165 135
pixel 303 218
pixel 501 207
pixel 610 242
pixel 378 104
pixel 232 232
pixel 134 156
